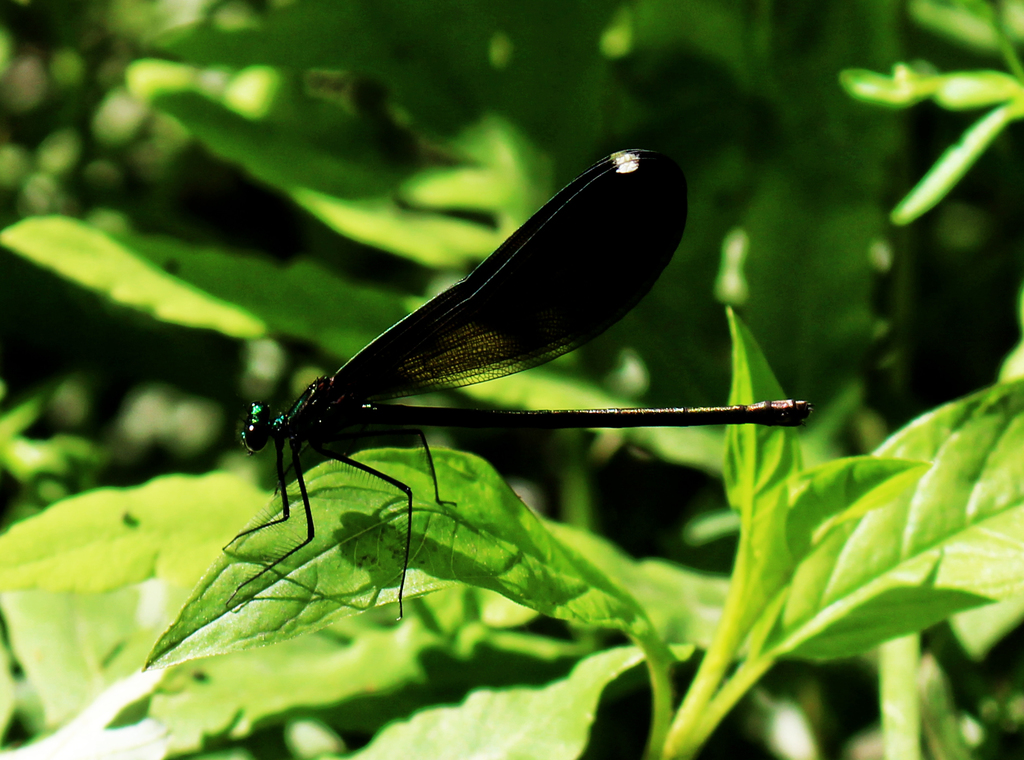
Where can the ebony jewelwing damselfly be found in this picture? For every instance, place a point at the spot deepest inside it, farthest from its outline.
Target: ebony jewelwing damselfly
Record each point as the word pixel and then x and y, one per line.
pixel 575 268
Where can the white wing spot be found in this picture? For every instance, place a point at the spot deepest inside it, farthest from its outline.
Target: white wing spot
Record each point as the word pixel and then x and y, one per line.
pixel 626 162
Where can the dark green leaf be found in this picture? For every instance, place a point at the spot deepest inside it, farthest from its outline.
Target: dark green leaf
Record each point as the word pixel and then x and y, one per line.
pixel 442 63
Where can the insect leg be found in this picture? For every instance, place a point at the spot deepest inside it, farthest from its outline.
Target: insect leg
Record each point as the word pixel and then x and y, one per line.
pixel 285 508
pixel 310 527
pixel 391 481
pixel 398 431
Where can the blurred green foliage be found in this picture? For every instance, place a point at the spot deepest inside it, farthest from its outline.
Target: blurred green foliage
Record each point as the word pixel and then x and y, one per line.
pixel 208 202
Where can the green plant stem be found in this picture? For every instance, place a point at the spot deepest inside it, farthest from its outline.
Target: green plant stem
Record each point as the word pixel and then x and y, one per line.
pixel 679 742
pixel 739 684
pixel 659 666
pixel 1006 47
pixel 689 721
pixel 899 662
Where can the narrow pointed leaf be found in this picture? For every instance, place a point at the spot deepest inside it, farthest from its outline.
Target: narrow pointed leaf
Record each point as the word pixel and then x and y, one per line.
pixel 760 462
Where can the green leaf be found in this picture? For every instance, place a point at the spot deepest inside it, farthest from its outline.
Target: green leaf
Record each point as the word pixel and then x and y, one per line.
pixel 957 91
pixel 954 163
pixel 977 89
pixel 93 728
pixel 945 545
pixel 683 604
pixel 842 490
pixel 760 463
pixel 980 629
pixel 231 695
pixel 490 540
pixel 907 86
pixel 96 261
pixel 504 177
pixel 904 88
pixel 431 239
pixel 303 143
pixel 438 62
pixel 347 316
pixel 7 687
pixel 968 23
pixel 170 527
pixel 331 164
pixel 72 646
pixel 551 721
pixel 27 458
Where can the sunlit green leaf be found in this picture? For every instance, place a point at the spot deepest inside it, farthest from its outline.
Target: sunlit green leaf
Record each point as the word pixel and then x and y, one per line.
pixel 233 694
pixel 488 539
pixel 945 545
pixel 428 238
pixel 171 528
pixel 977 89
pixel 845 489
pixel 905 87
pixel 954 163
pixel 550 721
pixel 72 646
pixel 96 261
pixel 760 463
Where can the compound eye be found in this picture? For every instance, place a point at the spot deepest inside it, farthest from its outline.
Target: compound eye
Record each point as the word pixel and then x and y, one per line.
pixel 257 427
